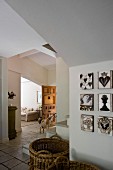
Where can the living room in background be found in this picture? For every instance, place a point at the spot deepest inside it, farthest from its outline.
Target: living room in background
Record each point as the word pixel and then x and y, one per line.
pixel 29 104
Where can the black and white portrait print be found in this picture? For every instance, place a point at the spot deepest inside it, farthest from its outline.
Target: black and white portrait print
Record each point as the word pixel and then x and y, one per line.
pixel 105 103
pixel 86 81
pixel 87 123
pixel 105 125
pixel 87 102
pixel 105 79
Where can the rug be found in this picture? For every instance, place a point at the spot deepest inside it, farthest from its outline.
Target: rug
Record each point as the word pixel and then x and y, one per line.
pixel 34 127
pixel 24 123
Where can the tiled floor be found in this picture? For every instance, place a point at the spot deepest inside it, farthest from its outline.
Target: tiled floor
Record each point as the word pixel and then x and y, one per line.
pixel 11 155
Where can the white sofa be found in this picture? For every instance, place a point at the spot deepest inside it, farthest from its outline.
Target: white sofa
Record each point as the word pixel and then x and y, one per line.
pixel 29 114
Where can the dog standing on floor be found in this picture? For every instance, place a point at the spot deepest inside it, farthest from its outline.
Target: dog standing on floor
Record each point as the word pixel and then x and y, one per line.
pixel 44 123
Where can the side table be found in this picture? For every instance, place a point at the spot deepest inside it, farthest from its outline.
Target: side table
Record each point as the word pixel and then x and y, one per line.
pixel 11 122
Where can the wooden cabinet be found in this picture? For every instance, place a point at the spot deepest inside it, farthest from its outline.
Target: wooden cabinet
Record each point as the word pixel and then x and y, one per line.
pixel 11 122
pixel 48 100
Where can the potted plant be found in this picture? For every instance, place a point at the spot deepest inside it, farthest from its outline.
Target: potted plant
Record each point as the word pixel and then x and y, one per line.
pixel 11 96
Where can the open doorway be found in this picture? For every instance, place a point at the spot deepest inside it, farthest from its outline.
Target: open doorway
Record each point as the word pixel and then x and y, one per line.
pixel 31 102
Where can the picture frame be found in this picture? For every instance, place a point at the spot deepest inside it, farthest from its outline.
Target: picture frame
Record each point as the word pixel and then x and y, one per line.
pixel 105 102
pixel 105 79
pixel 105 125
pixel 87 123
pixel 39 97
pixel 87 81
pixel 87 102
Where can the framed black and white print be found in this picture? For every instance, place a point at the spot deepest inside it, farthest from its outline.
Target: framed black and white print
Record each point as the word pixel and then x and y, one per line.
pixel 105 79
pixel 105 102
pixel 87 102
pixel 87 123
pixel 86 81
pixel 105 125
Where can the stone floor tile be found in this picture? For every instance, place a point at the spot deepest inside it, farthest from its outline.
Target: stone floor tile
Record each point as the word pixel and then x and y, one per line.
pixel 21 166
pixel 5 158
pixel 11 154
pixel 15 153
pixel 14 144
pixel 22 156
pixel 3 146
pixel 10 149
pixel 3 167
pixel 2 153
pixel 12 163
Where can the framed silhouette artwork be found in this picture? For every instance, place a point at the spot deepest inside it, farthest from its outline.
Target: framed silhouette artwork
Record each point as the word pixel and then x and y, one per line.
pixel 105 102
pixel 105 79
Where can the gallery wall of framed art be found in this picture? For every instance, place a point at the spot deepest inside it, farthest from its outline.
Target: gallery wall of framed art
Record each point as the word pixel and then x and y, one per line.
pixel 90 130
pixel 105 102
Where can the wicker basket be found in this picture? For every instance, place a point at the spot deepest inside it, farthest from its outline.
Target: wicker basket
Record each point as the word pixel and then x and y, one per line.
pixel 45 150
pixel 62 163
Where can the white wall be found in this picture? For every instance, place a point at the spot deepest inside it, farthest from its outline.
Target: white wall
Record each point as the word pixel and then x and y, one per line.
pixel 52 77
pixel 3 100
pixel 14 84
pixel 0 98
pixel 29 94
pixel 28 69
pixel 89 146
pixel 62 84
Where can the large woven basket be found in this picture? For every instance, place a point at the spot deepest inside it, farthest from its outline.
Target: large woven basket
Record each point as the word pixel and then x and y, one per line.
pixel 62 163
pixel 45 150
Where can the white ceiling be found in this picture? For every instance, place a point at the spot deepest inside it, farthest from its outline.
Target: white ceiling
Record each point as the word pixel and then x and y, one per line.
pixel 81 31
pixel 44 60
pixel 17 37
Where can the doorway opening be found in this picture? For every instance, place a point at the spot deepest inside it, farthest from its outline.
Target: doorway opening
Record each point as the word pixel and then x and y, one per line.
pixel 31 102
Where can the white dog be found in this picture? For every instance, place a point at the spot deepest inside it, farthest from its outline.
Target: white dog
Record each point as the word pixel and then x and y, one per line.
pixel 44 123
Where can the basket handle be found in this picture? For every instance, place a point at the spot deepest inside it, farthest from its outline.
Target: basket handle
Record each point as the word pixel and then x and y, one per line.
pixel 44 152
pixel 61 160
pixel 56 137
